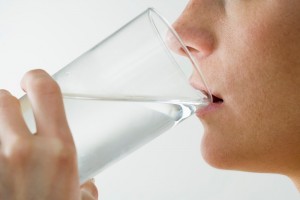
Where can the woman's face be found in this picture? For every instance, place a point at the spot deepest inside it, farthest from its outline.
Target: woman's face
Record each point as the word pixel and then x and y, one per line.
pixel 249 54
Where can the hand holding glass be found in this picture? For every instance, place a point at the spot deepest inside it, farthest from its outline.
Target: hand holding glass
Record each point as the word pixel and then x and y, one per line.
pixel 125 91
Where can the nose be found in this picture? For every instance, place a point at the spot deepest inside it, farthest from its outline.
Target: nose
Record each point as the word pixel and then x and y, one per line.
pixel 193 27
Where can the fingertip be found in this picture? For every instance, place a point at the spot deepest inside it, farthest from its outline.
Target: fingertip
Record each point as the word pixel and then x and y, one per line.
pixel 30 75
pixel 8 104
pixel 7 99
pixel 12 122
pixel 47 104
pixel 4 92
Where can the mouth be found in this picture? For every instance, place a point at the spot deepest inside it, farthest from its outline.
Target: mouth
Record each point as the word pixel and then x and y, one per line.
pixel 217 100
pixel 215 104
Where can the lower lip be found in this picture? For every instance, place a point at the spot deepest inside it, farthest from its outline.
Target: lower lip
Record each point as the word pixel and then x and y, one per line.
pixel 211 108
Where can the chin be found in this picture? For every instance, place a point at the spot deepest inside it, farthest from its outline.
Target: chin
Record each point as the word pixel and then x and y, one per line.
pixel 217 153
pixel 223 153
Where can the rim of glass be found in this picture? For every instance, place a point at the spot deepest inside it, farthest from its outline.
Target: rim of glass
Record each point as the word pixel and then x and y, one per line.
pixel 183 46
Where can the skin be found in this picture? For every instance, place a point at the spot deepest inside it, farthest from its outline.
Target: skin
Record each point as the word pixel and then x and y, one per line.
pixel 248 52
pixel 40 166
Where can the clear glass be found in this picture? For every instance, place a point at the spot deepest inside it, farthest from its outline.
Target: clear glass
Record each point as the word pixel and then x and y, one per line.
pixel 125 91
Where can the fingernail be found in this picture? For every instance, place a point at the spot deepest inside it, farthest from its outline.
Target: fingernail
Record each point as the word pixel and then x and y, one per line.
pixel 91 188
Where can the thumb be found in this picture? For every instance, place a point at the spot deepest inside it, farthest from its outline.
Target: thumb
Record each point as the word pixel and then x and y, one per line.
pixel 89 190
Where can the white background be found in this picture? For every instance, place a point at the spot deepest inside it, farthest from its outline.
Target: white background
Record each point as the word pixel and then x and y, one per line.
pixel 50 34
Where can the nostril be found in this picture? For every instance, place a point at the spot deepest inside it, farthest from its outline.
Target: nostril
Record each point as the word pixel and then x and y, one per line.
pixel 194 51
pixel 198 40
pixel 190 49
pixel 182 52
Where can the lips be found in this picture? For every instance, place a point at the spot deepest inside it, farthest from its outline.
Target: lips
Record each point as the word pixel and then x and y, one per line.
pixel 215 99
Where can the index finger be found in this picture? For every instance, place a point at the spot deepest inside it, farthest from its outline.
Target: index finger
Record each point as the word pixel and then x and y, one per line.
pixel 47 104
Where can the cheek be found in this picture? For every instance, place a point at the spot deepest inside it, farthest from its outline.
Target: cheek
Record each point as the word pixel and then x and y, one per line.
pixel 230 139
pixel 232 134
pixel 251 63
pixel 252 128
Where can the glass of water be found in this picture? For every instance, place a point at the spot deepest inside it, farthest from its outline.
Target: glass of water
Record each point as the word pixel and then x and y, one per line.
pixel 125 91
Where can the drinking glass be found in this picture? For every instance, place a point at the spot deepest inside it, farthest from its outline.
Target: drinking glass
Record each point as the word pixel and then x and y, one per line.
pixel 125 91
